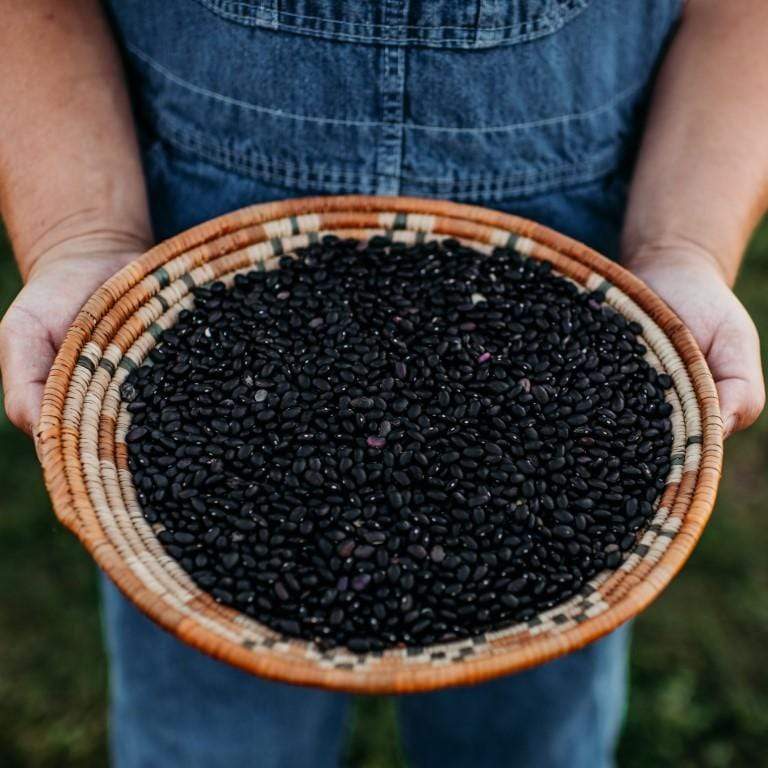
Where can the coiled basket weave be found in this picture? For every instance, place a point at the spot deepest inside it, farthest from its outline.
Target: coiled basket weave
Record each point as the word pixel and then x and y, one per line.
pixel 84 423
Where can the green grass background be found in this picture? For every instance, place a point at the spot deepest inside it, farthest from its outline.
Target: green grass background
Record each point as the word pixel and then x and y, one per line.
pixel 699 679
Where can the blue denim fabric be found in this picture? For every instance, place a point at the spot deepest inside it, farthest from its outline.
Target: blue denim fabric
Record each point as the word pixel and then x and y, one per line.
pixel 172 707
pixel 530 106
pixel 496 125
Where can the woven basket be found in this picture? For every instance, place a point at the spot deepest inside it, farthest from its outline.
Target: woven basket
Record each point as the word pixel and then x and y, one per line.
pixel 84 422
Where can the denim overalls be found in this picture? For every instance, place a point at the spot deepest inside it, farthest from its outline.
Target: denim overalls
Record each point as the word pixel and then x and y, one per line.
pixel 530 106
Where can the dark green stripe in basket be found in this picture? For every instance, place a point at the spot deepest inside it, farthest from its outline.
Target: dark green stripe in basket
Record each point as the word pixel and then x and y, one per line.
pixel 604 286
pixel 313 237
pixel 277 246
pixel 512 241
pixel 84 362
pixel 162 276
pixel 294 225
pixel 107 365
pixel 693 440
pixel 155 331
pixel 127 364
pixel 189 281
pixel 400 221
pixel 163 302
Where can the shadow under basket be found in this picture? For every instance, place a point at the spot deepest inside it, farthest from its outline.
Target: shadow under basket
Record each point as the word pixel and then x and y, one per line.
pixel 82 432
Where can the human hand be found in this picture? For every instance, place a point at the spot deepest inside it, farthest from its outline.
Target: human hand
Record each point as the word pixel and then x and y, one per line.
pixel 59 283
pixel 693 284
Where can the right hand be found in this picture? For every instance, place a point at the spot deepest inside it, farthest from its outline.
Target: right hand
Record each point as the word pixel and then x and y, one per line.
pixel 60 282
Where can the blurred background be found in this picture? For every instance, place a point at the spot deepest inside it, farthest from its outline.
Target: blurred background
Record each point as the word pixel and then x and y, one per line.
pixel 699 694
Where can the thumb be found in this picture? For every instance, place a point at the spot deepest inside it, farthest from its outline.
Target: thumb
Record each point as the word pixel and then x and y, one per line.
pixel 26 356
pixel 734 359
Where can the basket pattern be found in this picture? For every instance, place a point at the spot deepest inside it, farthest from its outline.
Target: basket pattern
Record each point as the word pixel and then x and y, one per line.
pixel 82 441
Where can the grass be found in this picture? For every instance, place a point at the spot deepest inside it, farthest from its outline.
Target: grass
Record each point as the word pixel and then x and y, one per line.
pixel 699 682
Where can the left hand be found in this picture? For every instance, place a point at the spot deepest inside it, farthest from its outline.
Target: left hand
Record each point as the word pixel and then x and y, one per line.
pixel 692 283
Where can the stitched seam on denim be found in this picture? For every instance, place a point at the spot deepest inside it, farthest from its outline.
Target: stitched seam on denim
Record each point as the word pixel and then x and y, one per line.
pixel 185 138
pixel 522 182
pixel 389 140
pixel 495 191
pixel 300 178
pixel 560 8
pixel 485 189
pixel 174 78
pixel 510 177
pixel 261 167
pixel 547 121
pixel 544 122
pixel 217 148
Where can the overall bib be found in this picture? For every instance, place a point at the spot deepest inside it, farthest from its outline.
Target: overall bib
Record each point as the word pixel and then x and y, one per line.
pixel 530 106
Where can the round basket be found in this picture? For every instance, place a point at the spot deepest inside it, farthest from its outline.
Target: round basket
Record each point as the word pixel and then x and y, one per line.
pixel 84 423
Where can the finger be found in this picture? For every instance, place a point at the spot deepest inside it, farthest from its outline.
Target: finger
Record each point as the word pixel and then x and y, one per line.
pixel 734 359
pixel 26 356
pixel 740 404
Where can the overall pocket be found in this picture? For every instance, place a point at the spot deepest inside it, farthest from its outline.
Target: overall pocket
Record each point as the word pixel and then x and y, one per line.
pixel 448 24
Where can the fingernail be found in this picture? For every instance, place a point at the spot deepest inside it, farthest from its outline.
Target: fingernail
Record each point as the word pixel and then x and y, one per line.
pixel 729 426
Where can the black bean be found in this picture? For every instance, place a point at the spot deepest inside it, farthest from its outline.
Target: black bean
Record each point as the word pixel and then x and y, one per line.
pixel 363 551
pixel 136 434
pixel 437 554
pixel 417 551
pixel 281 591
pixel 510 601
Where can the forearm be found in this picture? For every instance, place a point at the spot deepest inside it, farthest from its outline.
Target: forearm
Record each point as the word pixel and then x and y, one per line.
pixel 701 180
pixel 69 161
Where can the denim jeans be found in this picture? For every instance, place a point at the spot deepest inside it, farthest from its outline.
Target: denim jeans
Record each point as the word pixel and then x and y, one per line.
pixel 530 106
pixel 172 707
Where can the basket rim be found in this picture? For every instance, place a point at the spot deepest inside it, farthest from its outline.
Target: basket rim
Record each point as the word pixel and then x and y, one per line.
pixel 49 437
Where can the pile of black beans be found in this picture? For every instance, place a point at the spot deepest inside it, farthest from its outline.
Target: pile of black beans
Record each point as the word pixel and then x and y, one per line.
pixel 377 445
